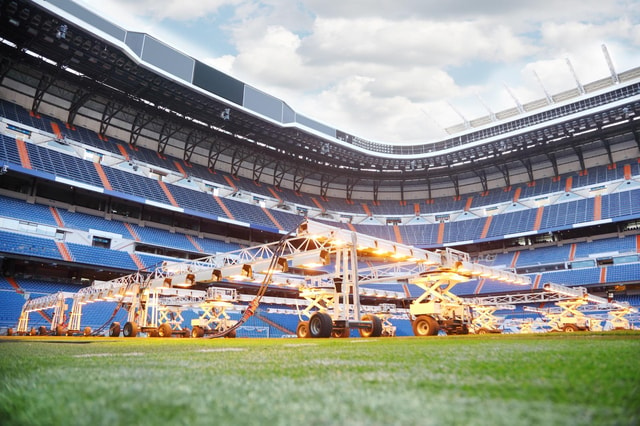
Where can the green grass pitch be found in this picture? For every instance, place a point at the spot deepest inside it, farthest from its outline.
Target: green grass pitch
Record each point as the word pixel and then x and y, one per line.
pixel 548 379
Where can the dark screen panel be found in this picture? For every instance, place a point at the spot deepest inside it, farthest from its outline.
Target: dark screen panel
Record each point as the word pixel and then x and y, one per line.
pixel 135 42
pixel 167 58
pixel 288 114
pixel 315 125
pixel 262 103
pixel 218 83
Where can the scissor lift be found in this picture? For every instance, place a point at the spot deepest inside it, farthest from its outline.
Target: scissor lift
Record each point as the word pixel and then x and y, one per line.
pixel 215 319
pixel 385 313
pixel 334 303
pixel 484 320
pixel 158 311
pixel 617 317
pixel 437 308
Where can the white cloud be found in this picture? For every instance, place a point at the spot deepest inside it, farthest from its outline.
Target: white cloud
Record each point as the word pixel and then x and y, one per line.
pixel 159 10
pixel 389 70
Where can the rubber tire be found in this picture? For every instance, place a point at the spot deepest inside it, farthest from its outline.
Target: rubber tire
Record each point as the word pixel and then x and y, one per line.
pixel 303 330
pixel 114 330
pixel 482 331
pixel 320 325
pixel 569 328
pixel 32 332
pixel 341 333
pixel 87 331
pixel 424 325
pixel 186 332
pixel 130 329
pixel 9 331
pixel 231 334
pixel 197 332
pixel 42 331
pixel 164 330
pixel 376 326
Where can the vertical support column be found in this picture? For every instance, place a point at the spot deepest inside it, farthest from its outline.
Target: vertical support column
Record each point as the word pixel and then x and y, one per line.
pixel 58 313
pixel 354 274
pixel 23 322
pixel 341 298
pixel 75 316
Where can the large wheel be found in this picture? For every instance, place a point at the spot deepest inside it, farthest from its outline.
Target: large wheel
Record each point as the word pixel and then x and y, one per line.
pixel 130 329
pixel 482 331
pixel 424 325
pixel 186 332
pixel 42 330
pixel 320 325
pixel 303 330
pixel 231 334
pixel 164 330
pixel 375 330
pixel 341 333
pixel 32 332
pixel 9 331
pixel 114 330
pixel 60 331
pixel 570 328
pixel 87 331
pixel 197 332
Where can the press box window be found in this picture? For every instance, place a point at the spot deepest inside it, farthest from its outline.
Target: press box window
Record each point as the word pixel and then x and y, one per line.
pixel 101 242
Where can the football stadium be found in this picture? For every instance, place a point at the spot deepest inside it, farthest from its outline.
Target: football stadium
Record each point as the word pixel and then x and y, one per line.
pixel 179 246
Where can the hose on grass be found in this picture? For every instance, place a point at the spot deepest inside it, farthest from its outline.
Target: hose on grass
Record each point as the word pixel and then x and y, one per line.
pixel 264 285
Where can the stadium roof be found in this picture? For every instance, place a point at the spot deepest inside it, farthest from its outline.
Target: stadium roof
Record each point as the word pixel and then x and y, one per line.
pixel 61 54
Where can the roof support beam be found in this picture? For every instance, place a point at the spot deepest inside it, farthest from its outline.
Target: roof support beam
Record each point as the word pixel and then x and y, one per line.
pixel 325 180
pixel 376 189
pixel 482 175
pixel 110 111
pixel 139 122
pixel 636 134
pixel 554 163
pixel 607 146
pixel 298 180
pixel 259 165
pixel 79 98
pixel 5 66
pixel 456 183
pixel 504 169
pixel 214 155
pixel 278 174
pixel 526 162
pixel 351 183
pixel 194 139
pixel 43 85
pixel 428 182
pixel 238 157
pixel 580 155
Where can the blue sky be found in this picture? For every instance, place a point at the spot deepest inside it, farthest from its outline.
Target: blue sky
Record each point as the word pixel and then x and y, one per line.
pixel 395 70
